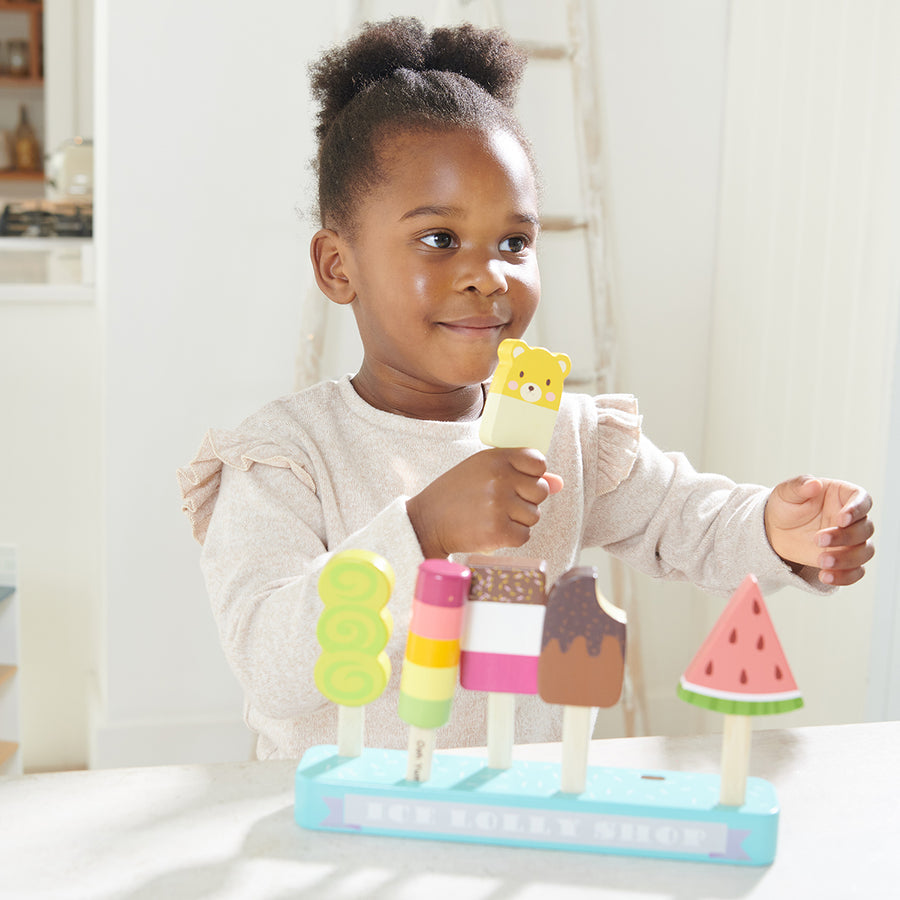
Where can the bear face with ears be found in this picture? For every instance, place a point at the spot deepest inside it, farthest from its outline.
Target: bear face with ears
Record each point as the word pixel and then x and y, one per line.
pixel 524 396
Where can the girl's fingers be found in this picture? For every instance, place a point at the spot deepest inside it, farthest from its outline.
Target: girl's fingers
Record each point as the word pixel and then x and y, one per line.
pixel 554 482
pixel 841 577
pixel 527 461
pixel 846 558
pixel 856 508
pixel 525 513
pixel 533 490
pixel 858 533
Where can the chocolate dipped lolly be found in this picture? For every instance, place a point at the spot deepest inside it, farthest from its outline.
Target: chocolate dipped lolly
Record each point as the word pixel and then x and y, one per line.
pixel 501 642
pixel 582 663
pixel 431 662
pixel 353 630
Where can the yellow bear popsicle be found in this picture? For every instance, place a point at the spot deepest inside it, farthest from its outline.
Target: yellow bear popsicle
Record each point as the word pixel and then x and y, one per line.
pixel 523 399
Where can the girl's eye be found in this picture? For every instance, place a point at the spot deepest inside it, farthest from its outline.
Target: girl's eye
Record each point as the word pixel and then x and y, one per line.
pixel 439 240
pixel 514 244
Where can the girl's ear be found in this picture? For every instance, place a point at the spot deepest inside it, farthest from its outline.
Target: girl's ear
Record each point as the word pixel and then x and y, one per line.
pixel 327 251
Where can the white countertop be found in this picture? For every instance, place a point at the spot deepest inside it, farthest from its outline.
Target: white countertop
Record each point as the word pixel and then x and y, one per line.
pixel 46 269
pixel 227 831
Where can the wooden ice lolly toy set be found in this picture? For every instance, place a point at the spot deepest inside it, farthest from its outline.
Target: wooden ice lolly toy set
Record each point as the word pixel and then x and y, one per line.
pixel 493 626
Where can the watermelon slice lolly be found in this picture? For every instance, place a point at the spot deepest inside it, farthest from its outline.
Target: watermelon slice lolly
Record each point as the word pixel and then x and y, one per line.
pixel 740 671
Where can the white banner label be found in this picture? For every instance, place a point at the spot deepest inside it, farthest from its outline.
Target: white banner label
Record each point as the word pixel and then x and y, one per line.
pixel 541 826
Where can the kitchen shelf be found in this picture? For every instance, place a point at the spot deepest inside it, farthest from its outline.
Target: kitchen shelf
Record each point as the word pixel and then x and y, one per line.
pixel 9 83
pixel 17 175
pixel 30 86
pixel 35 13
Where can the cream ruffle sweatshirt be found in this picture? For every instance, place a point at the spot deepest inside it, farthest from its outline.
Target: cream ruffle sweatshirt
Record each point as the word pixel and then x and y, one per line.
pixel 321 471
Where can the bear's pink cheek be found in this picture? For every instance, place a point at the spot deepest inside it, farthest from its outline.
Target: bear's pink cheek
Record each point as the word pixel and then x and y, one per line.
pixel 513 385
pixel 549 396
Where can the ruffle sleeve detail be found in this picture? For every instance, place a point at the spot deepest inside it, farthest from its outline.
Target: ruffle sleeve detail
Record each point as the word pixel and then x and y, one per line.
pixel 618 439
pixel 199 480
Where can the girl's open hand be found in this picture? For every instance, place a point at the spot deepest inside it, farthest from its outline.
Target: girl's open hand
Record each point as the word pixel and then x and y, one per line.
pixel 823 523
pixel 489 500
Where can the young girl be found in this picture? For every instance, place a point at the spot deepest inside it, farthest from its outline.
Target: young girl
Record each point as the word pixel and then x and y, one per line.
pixel 430 217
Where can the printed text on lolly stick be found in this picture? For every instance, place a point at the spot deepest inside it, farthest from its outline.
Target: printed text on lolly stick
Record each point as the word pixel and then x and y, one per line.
pixel 419 760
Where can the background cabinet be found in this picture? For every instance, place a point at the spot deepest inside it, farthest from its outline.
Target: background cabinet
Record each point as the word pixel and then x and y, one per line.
pixel 22 21
pixel 10 719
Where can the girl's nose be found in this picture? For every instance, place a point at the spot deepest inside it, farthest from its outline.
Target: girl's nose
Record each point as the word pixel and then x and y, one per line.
pixel 483 275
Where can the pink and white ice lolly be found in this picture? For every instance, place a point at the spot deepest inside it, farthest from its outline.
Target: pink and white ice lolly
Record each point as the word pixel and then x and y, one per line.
pixel 503 624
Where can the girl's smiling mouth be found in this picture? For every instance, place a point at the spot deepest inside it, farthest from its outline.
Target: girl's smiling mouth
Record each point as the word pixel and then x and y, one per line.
pixel 475 326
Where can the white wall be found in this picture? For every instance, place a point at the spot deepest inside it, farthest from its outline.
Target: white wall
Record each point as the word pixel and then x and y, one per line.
pixel 808 293
pixel 663 81
pixel 49 508
pixel 884 672
pixel 50 470
pixel 205 129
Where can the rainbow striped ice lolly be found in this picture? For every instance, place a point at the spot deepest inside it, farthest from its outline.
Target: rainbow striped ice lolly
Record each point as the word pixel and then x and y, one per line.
pixel 430 666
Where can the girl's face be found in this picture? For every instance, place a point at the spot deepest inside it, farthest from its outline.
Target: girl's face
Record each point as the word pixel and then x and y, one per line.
pixel 443 261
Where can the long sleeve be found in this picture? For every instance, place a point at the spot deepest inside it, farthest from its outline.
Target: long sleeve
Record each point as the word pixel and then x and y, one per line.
pixel 670 521
pixel 321 471
pixel 271 502
pixel 263 553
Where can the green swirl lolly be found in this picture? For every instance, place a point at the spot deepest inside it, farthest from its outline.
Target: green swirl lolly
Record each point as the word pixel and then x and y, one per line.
pixel 358 628
pixel 356 577
pixel 351 678
pixel 354 627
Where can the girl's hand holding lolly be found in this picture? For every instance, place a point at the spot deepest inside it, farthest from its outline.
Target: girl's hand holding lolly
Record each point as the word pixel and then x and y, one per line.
pixel 490 500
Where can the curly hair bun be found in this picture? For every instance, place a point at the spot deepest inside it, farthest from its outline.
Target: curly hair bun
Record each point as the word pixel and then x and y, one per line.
pixel 485 56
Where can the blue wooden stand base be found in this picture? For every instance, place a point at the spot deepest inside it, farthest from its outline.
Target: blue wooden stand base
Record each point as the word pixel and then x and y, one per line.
pixel 633 812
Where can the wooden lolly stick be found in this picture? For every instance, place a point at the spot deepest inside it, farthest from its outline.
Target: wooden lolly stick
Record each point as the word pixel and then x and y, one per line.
pixel 500 729
pixel 735 759
pixel 576 741
pixel 351 728
pixel 421 750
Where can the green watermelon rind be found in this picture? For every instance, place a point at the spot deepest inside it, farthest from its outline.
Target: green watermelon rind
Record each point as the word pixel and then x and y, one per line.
pixel 740 707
